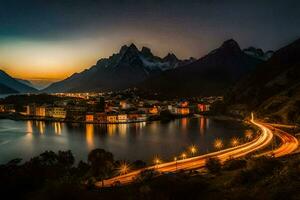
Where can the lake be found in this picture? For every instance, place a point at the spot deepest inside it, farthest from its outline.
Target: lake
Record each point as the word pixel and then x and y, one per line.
pixel 25 139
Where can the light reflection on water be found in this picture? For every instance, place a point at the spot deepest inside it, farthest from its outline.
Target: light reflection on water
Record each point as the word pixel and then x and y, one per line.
pixel 126 141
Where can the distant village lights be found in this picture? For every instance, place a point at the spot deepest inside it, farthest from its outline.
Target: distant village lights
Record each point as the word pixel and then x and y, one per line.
pixel 107 108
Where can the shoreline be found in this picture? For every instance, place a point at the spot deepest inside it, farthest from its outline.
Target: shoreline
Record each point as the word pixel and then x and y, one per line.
pixel 18 117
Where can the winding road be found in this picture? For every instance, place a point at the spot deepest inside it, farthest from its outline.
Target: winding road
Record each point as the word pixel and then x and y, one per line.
pixel 288 142
pixel 263 140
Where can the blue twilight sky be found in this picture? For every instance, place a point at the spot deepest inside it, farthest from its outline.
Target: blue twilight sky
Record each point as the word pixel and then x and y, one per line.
pixel 51 39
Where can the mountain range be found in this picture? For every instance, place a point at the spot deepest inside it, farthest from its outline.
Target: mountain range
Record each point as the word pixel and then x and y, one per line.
pixel 9 85
pixel 258 53
pixel 209 75
pixel 131 67
pixel 273 88
pixel 124 69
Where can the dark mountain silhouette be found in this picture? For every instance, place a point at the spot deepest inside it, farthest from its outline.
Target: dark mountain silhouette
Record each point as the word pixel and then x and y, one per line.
pixel 210 75
pixel 258 53
pixel 272 89
pixel 122 70
pixel 6 90
pixel 11 85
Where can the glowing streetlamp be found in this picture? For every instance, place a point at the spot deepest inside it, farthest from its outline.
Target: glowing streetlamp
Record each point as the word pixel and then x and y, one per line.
pixel 193 149
pixel 124 168
pixel 156 160
pixel 183 155
pixel 175 159
pixel 234 142
pixel 218 144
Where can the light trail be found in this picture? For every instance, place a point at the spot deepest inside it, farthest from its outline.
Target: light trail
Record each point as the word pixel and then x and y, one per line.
pixel 282 125
pixel 260 142
pixel 288 143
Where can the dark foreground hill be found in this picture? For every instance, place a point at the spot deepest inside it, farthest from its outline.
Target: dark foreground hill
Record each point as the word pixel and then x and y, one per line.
pixel 54 176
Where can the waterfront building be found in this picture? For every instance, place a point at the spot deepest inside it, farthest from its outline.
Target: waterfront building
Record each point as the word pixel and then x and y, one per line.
pixel 59 113
pixel 112 118
pixel 202 107
pixel 100 117
pixel 89 118
pixel 122 118
pixel 182 111
pixel 142 118
pixel 1 108
pixel 40 111
pixel 132 117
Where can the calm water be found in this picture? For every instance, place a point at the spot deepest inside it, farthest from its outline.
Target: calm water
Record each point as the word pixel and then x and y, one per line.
pixel 24 139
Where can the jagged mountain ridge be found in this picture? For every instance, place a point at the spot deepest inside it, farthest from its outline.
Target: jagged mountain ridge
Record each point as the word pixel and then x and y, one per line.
pixel 273 89
pixel 209 75
pixel 258 53
pixel 121 70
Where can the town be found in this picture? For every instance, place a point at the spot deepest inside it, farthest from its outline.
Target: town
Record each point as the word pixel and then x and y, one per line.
pixel 104 108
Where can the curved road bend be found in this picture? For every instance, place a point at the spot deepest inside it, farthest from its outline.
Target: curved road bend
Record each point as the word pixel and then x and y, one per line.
pixel 260 142
pixel 288 143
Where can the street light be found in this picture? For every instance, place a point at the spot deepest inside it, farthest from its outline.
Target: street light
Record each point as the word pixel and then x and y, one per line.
pixel 156 160
pixel 234 142
pixel 218 144
pixel 175 159
pixel 193 149
pixel 183 155
pixel 124 168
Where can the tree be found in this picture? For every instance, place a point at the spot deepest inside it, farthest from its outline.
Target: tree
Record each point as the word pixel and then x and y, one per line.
pixel 66 158
pixel 234 164
pixel 101 162
pixel 213 165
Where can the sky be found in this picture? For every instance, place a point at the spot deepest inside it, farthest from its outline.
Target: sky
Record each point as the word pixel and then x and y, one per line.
pixel 48 40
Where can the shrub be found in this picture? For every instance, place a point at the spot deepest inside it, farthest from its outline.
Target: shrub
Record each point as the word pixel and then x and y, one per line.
pixel 234 164
pixel 213 165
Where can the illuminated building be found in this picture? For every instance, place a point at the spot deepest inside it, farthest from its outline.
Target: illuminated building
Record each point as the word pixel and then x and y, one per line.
pixel 89 118
pixel 59 112
pixel 100 117
pixel 153 110
pixel 182 111
pixel 40 111
pixel 122 118
pixel 203 107
pixel 2 108
pixel 132 117
pixel 112 118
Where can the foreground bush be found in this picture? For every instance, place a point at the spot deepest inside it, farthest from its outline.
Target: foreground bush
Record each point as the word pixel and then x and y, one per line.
pixel 213 165
pixel 234 164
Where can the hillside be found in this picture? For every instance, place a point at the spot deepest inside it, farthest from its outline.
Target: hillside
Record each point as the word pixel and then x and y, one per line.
pixel 14 85
pixel 212 74
pixel 273 89
pixel 6 90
